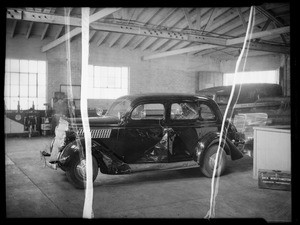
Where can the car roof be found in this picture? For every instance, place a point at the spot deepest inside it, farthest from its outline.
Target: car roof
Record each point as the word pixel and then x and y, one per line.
pixel 163 96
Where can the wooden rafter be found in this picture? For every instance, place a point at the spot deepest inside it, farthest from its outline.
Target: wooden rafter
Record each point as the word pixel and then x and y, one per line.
pixel 92 34
pixel 198 19
pixel 149 42
pixel 29 30
pixel 13 29
pixel 102 38
pixel 114 39
pixel 77 30
pixel 167 17
pixel 44 31
pixel 188 18
pixel 137 43
pixel 133 30
pixel 59 30
pixel 242 18
pixel 211 19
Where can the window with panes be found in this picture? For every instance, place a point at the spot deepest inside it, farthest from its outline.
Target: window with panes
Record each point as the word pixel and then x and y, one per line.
pixel 25 84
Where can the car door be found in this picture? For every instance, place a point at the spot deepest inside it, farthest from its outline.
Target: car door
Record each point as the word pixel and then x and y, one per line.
pixel 190 121
pixel 141 137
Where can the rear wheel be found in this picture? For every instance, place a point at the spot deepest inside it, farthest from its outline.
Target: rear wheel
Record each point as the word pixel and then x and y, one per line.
pixel 76 173
pixel 209 160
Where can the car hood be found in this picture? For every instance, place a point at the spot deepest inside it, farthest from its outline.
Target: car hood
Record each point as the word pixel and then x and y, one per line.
pixel 97 121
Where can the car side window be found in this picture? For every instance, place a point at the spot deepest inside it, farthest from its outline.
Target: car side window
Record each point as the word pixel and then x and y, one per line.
pixel 152 111
pixel 184 111
pixel 206 113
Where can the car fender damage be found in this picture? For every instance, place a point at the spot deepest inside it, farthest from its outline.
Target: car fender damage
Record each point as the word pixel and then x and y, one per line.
pixel 107 161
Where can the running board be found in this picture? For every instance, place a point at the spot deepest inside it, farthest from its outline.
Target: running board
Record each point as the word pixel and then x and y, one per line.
pixel 141 167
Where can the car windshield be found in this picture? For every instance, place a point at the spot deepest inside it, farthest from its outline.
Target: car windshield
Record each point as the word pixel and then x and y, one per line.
pixel 119 106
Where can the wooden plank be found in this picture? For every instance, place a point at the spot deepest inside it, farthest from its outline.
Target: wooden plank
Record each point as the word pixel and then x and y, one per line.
pixel 77 31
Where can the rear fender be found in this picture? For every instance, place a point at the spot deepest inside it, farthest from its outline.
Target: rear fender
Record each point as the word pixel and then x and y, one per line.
pixel 211 139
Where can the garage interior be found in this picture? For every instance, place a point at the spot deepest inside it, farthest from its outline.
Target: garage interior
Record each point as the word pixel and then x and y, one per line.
pixel 156 50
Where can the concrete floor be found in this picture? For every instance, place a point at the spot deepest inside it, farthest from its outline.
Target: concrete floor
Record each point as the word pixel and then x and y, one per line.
pixel 35 191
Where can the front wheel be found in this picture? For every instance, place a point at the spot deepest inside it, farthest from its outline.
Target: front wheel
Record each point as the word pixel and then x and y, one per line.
pixel 207 167
pixel 76 173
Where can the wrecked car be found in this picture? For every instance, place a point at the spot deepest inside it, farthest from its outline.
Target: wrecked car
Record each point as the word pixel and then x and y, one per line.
pixel 148 131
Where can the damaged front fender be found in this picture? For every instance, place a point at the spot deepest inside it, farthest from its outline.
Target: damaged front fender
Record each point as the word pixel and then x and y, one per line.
pixel 107 161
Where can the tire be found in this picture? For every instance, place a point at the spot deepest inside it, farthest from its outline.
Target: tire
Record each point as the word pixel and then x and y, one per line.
pixel 207 167
pixel 76 175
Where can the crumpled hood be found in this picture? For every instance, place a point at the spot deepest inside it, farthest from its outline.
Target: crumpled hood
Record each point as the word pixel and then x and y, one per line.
pixel 97 121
